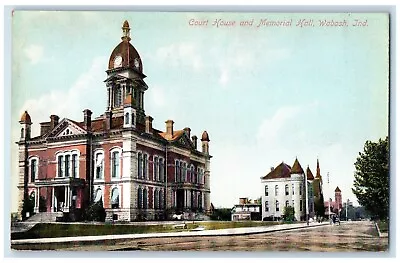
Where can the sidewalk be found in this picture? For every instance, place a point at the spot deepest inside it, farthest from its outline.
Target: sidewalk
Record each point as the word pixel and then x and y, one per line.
pixel 219 232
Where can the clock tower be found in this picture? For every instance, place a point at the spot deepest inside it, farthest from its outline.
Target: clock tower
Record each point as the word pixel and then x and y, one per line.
pixel 125 76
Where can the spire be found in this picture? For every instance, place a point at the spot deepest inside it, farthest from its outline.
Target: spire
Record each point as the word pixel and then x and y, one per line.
pixel 126 35
pixel 318 175
pixel 296 168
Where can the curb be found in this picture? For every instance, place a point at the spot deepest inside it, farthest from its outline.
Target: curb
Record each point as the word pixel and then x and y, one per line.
pixel 156 235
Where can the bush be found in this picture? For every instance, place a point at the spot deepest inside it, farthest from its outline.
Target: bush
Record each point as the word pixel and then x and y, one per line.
pixel 95 212
pixel 27 206
pixel 288 214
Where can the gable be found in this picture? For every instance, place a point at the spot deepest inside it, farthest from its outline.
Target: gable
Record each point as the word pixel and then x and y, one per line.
pixel 185 142
pixel 66 128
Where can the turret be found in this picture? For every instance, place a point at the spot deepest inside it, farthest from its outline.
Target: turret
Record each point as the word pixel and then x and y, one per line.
pixel 205 142
pixel 25 126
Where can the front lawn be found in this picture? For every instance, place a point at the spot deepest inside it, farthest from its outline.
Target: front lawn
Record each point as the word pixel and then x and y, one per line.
pixel 45 230
pixel 383 226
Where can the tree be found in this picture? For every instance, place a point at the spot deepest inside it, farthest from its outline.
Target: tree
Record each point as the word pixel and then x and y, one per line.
pixel 27 206
pixel 319 206
pixel 95 212
pixel 288 213
pixel 371 178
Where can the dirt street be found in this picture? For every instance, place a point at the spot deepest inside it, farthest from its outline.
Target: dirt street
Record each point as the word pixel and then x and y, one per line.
pixel 350 236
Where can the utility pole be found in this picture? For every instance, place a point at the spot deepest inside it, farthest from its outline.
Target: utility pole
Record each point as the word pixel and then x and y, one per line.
pixel 329 203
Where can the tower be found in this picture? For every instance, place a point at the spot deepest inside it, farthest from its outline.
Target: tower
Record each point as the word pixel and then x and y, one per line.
pixel 125 76
pixel 129 112
pixel 25 135
pixel 338 199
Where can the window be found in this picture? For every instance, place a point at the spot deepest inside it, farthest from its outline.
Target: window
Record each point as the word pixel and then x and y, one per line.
pixel 161 199
pixel 155 199
pixel 75 166
pixel 286 189
pixel 287 203
pixel 61 166
pixel 145 198
pixel 177 175
pixel 266 206
pixel 34 169
pixel 127 118
pixel 140 197
pixel 300 189
pixel 99 158
pixel 301 205
pixel 200 201
pixel 182 174
pixel 161 170
pixel 115 164
pixel 276 190
pixel 67 165
pixel 277 206
pixel 140 159
pixel 145 166
pixel 266 190
pixel 292 203
pixel 98 195
pixel 115 198
pixel 117 97
pixel 155 169
pixel 292 189
pixel 133 118
pixel 193 174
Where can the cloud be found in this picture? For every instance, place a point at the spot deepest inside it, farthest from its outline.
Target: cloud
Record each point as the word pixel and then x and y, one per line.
pixel 71 102
pixel 224 77
pixel 34 53
pixel 157 96
pixel 178 54
pixel 270 128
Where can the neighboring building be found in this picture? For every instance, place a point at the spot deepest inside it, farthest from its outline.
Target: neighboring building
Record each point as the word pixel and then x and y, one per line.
pixel 246 210
pixel 337 205
pixel 285 186
pixel 118 158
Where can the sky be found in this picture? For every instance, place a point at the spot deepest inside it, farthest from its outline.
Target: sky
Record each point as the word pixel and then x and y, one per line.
pixel 264 94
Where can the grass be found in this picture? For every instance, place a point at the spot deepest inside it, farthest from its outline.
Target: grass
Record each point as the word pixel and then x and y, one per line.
pixel 383 226
pixel 44 230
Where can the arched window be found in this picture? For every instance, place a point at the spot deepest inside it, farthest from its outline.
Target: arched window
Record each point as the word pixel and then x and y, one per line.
pixel 286 189
pixel 292 189
pixel 300 189
pixel 133 118
pixel 193 174
pixel 145 198
pixel 140 159
pixel 287 203
pixel 266 190
pixel 140 197
pixel 115 164
pixel 184 172
pixel 145 166
pixel 177 175
pixel 127 118
pixel 161 199
pixel 276 190
pixel 98 196
pixel 115 198
pixel 99 163
pixel 155 169
pixel 277 205
pixel 200 201
pixel 266 206
pixel 161 170
pixel 156 200
pixel 22 133
pixel 33 169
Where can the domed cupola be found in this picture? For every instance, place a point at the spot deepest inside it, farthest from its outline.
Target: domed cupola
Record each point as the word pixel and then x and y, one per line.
pixel 124 54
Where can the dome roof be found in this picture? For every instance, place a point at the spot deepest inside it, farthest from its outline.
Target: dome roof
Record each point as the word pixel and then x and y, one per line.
pixel 204 137
pixel 129 55
pixel 26 118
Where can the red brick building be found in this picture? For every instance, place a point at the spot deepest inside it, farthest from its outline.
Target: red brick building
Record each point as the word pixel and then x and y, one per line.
pixel 119 158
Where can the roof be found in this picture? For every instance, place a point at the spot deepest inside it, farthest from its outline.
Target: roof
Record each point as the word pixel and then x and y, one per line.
pixel 297 169
pixel 204 136
pixel 337 189
pixel 126 24
pixel 26 118
pixel 318 175
pixel 310 176
pixel 175 135
pixel 281 171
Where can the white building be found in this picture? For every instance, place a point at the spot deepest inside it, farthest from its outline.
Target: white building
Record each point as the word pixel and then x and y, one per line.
pixel 284 186
pixel 246 210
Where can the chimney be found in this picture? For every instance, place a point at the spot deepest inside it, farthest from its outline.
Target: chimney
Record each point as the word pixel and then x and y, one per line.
pixel 87 119
pixel 194 140
pixel 44 128
pixel 272 168
pixel 53 121
pixel 108 120
pixel 187 131
pixel 170 127
pixel 149 124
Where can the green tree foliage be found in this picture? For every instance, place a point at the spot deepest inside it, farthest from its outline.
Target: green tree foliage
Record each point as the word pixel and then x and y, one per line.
pixel 95 212
pixel 27 206
pixel 288 213
pixel 223 214
pixel 371 183
pixel 319 206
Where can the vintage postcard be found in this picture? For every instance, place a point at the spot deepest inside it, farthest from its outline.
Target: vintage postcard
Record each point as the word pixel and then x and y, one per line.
pixel 199 131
